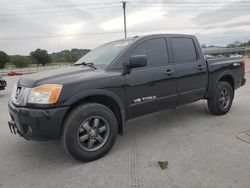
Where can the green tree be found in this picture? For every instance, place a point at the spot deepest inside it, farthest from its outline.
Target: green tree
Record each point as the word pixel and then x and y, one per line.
pixel 4 58
pixel 20 61
pixel 203 46
pixel 235 44
pixel 40 56
pixel 68 55
pixel 71 57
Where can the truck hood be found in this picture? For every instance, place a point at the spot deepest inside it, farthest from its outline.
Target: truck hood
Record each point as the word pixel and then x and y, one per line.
pixel 61 76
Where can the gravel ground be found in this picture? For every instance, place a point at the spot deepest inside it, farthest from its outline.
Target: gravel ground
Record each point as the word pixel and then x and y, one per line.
pixel 202 151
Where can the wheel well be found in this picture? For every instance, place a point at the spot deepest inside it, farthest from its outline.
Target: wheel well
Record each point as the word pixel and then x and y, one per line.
pixel 228 79
pixel 104 100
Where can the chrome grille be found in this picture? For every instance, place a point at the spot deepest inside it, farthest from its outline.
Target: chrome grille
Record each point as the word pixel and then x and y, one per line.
pixel 20 95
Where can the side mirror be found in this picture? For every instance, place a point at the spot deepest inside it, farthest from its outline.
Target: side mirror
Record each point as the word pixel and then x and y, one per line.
pixel 136 61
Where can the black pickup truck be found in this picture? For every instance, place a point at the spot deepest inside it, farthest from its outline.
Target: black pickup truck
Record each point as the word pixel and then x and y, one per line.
pixel 3 83
pixel 86 105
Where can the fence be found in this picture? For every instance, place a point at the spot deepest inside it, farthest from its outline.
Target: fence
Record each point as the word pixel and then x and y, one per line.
pixel 28 70
pixel 228 51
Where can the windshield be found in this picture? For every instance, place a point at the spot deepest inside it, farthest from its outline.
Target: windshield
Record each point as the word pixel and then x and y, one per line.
pixel 104 54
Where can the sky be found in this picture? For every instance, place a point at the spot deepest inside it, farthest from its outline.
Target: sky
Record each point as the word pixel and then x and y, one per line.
pixel 58 25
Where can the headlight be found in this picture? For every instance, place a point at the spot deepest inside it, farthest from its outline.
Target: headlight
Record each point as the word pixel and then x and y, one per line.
pixel 45 94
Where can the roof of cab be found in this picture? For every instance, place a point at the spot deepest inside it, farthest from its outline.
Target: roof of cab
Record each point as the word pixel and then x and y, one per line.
pixel 135 38
pixel 164 35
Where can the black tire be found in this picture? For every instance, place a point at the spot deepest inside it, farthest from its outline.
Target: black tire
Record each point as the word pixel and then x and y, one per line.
pixel 77 126
pixel 219 105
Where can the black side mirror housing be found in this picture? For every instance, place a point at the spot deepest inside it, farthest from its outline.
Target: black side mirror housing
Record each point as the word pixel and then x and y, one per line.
pixel 136 61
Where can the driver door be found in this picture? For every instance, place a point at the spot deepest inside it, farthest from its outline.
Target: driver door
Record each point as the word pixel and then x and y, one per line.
pixel 153 87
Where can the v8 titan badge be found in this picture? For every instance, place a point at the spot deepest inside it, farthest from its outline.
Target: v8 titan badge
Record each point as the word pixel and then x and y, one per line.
pixel 142 99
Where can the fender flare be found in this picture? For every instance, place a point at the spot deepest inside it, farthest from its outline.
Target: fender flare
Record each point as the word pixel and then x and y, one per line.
pixel 101 92
pixel 211 89
pixel 93 92
pixel 225 73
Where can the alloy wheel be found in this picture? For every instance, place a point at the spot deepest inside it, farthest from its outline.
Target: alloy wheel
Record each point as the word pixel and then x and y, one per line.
pixel 93 133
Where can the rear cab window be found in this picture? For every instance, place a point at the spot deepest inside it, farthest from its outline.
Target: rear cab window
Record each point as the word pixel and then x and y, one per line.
pixel 184 50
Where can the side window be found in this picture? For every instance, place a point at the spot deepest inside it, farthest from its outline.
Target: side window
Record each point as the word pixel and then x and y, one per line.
pixel 184 49
pixel 155 50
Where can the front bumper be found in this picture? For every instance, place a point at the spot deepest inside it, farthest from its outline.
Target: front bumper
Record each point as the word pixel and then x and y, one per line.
pixel 37 124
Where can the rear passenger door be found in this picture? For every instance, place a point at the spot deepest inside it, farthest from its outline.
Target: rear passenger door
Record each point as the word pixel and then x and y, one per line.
pixel 153 87
pixel 191 69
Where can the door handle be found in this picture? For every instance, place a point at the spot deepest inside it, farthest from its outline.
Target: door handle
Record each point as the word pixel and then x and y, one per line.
pixel 200 67
pixel 169 72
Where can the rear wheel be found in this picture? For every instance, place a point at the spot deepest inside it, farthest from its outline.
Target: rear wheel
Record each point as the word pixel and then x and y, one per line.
pixel 222 100
pixel 89 132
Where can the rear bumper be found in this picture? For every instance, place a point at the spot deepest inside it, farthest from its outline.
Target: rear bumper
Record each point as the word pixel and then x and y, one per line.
pixel 37 124
pixel 243 82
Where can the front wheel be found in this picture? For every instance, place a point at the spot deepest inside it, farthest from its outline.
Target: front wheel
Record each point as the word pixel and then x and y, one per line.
pixel 89 132
pixel 222 100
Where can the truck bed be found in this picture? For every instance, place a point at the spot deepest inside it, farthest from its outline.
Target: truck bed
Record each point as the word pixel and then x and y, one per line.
pixel 233 68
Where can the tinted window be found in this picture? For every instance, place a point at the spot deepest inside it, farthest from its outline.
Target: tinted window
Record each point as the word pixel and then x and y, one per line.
pixel 184 49
pixel 155 50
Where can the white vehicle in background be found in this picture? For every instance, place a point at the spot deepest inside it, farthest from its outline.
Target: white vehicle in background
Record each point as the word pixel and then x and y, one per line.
pixel 236 56
pixel 220 56
pixel 208 56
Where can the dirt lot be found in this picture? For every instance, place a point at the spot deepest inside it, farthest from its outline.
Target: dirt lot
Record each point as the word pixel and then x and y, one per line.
pixel 202 151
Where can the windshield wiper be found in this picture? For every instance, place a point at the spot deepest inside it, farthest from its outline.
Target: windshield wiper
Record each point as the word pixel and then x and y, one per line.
pixel 86 64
